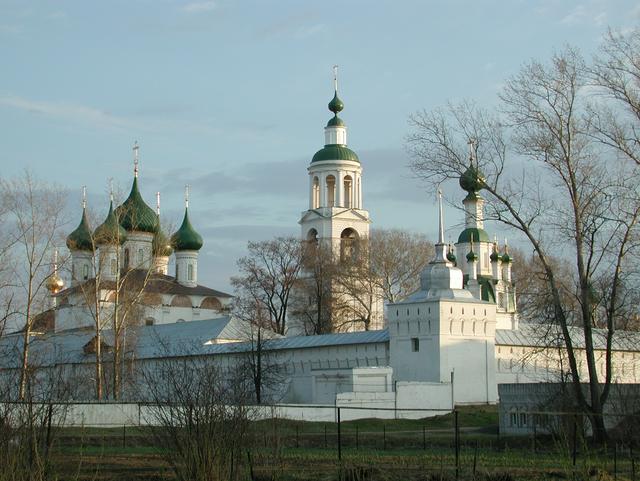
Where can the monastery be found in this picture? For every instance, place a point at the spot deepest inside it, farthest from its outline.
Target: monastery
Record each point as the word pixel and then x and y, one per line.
pixel 453 341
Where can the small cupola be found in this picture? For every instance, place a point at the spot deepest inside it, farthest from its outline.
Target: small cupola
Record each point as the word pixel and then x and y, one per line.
pixel 80 239
pixel 186 238
pixel 134 213
pixel 110 232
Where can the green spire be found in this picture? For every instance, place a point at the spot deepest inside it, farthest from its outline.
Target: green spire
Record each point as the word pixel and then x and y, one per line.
pixel 80 238
pixel 135 214
pixel 186 238
pixel 110 231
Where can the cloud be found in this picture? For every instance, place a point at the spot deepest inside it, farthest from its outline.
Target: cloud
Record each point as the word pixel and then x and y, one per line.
pixel 69 111
pixel 583 14
pixel 199 7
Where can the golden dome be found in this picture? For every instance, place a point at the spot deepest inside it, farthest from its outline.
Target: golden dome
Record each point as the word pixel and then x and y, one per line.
pixel 55 284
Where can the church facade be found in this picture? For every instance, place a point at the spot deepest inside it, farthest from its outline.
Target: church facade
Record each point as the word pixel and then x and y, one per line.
pixel 453 341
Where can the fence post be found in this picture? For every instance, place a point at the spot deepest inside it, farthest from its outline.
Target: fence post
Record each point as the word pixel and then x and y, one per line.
pixel 475 460
pixel 457 443
pixel 535 433
pixel 384 437
pixel 297 437
pixel 424 437
pixel 357 438
pixel 325 436
pixel 575 439
pixel 339 438
pixel 124 435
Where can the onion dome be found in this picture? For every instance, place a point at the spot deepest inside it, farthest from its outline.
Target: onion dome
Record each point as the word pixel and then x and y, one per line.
pixel 135 214
pixel 186 238
pixel 336 105
pixel 473 234
pixel 472 180
pixel 161 245
pixel 451 257
pixel 335 152
pixel 506 258
pixel 80 239
pixel 495 255
pixel 54 284
pixel 472 256
pixel 110 231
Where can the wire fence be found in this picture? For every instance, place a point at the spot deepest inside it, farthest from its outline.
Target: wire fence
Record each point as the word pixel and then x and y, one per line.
pixel 465 443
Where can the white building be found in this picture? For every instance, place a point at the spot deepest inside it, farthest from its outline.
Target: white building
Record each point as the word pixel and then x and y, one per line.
pixel 453 341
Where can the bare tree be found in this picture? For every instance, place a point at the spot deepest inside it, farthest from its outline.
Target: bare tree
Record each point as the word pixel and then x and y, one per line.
pixel 396 259
pixel 34 217
pixel 313 302
pixel 267 275
pixel 563 191
pixel 201 416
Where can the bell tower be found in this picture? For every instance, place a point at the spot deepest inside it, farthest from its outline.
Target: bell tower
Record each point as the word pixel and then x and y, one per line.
pixel 336 215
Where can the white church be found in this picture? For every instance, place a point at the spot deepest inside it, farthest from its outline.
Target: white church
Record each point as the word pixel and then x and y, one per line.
pixel 451 342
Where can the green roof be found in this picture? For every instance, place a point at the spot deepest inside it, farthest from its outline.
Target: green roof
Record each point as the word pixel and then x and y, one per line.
pixel 110 231
pixel 335 121
pixel 135 214
pixel 80 238
pixel 186 238
pixel 487 292
pixel 336 105
pixel 335 152
pixel 473 234
pixel 472 180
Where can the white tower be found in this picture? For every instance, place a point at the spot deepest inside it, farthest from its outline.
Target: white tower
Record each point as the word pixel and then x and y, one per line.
pixel 443 329
pixel 336 215
pixel 186 243
pixel 80 244
pixel 140 222
pixel 109 237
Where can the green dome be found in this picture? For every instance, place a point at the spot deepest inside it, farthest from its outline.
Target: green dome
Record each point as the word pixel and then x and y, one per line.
pixel 336 105
pixel 473 234
pixel 186 238
pixel 495 257
pixel 472 180
pixel 451 257
pixel 161 245
pixel 335 122
pixel 506 258
pixel 471 256
pixel 110 231
pixel 135 214
pixel 335 152
pixel 80 239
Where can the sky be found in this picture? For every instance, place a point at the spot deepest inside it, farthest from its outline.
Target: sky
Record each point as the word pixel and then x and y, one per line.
pixel 231 96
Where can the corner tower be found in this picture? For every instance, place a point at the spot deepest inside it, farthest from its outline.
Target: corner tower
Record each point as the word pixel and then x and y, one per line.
pixel 336 215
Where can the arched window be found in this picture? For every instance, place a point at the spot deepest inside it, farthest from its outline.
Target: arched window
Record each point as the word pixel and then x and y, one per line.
pixel 211 303
pixel 126 258
pixel 348 244
pixel 85 272
pixel 312 237
pixel 331 191
pixel 140 256
pixel 348 191
pixel 114 267
pixel 181 301
pixel 316 193
pixel 190 272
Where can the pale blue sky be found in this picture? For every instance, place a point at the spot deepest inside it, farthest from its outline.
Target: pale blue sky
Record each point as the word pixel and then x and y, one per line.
pixel 230 97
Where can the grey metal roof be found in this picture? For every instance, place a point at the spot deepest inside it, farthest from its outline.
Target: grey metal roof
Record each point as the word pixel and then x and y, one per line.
pixel 167 340
pixel 541 335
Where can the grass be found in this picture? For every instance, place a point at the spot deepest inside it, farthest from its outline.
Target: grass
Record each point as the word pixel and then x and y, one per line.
pixel 391 450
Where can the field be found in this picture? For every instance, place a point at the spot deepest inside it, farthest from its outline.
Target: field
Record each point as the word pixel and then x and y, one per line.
pixel 369 450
